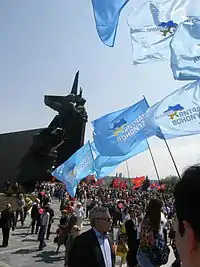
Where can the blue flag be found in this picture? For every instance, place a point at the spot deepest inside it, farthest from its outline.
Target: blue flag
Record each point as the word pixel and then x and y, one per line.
pixel 101 171
pixel 105 171
pixel 153 25
pixel 178 114
pixel 104 165
pixel 106 14
pixel 185 50
pixel 76 168
pixel 120 132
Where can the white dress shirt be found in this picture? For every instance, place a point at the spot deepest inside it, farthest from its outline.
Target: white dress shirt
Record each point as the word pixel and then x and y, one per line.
pixel 105 248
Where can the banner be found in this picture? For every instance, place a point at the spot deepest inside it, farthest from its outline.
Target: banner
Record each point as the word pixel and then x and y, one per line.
pixel 76 168
pixel 176 115
pixel 153 25
pixel 106 14
pixel 120 132
pixel 104 165
pixel 185 50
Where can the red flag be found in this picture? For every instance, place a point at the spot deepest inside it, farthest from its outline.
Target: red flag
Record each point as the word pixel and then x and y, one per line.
pixel 115 183
pixel 152 186
pixel 158 187
pixel 138 181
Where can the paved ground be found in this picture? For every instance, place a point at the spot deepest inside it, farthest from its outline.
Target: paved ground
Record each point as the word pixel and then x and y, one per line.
pixel 23 248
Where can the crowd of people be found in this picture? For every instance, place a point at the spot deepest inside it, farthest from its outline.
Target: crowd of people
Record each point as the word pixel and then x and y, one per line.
pixel 147 223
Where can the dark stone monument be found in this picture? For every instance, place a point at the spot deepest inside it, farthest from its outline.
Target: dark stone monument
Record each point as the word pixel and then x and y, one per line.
pixel 30 156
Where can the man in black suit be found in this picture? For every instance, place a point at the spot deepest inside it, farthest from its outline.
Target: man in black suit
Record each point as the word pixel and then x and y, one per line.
pixel 94 248
pixel 7 221
pixel 131 226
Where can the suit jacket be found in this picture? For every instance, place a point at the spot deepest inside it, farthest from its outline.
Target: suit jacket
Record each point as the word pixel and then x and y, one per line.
pixel 132 243
pixel 7 218
pixel 86 251
pixel 132 234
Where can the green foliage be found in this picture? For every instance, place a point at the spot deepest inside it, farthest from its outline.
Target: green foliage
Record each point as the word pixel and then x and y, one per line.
pixel 170 181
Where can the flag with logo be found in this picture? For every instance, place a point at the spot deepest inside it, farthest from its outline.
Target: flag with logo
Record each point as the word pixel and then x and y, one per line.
pixel 104 165
pixel 176 115
pixel 76 168
pixel 185 50
pixel 106 14
pixel 120 132
pixel 153 25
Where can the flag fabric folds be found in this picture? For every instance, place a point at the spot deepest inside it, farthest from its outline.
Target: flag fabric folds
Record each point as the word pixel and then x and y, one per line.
pixel 106 14
pixel 104 165
pixel 103 169
pixel 76 168
pixel 120 132
pixel 176 115
pixel 153 25
pixel 185 50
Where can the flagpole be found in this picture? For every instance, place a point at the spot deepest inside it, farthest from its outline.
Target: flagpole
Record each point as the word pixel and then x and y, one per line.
pixel 175 166
pixel 154 163
pixel 168 148
pixel 128 172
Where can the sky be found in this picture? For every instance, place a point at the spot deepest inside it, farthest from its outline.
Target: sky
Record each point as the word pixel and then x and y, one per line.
pixel 43 44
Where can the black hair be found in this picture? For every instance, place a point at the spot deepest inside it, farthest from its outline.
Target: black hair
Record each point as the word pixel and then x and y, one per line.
pixel 153 213
pixel 187 200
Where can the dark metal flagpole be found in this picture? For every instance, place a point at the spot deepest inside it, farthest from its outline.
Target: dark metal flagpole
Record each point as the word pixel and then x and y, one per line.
pixel 168 148
pixel 154 163
pixel 128 172
pixel 175 166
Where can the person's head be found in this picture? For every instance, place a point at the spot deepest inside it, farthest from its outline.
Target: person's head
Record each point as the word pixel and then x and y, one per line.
pixel 100 219
pixel 8 206
pixel 64 213
pixel 153 213
pixel 78 205
pixel 75 231
pixel 21 195
pixel 187 219
pixel 37 201
pixel 42 194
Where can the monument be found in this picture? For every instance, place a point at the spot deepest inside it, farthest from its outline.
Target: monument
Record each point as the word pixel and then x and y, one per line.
pixel 30 156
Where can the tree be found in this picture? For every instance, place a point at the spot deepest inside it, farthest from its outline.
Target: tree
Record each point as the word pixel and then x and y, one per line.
pixel 170 181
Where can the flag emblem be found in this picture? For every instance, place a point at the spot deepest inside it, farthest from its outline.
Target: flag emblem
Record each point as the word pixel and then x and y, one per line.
pixel 118 127
pixel 172 111
pixel 168 28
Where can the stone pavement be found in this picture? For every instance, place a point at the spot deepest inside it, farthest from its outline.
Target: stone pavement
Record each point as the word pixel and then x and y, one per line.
pixel 23 247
